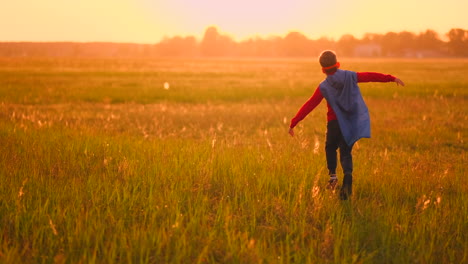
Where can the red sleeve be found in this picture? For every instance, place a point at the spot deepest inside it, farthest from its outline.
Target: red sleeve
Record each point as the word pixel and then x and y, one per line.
pixel 374 77
pixel 307 107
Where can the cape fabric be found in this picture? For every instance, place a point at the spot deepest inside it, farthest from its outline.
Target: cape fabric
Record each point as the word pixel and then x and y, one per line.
pixel 342 93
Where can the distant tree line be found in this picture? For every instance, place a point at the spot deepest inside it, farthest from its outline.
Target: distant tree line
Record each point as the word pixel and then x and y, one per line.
pixel 294 44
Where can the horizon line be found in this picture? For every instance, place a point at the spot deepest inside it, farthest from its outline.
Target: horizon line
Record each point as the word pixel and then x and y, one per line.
pixel 442 36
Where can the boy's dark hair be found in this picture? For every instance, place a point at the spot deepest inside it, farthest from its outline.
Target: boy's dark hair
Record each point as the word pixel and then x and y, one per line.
pixel 327 59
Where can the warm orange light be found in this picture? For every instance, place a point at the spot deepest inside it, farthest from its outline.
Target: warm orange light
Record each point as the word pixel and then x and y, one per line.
pixel 148 21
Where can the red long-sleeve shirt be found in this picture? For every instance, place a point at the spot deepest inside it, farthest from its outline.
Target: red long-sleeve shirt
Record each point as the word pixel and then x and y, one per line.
pixel 317 97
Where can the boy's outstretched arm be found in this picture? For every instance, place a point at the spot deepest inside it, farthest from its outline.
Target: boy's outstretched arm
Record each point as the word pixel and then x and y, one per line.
pixel 306 109
pixel 378 77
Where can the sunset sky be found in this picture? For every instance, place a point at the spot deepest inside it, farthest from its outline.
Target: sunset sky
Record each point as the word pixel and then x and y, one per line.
pixel 148 21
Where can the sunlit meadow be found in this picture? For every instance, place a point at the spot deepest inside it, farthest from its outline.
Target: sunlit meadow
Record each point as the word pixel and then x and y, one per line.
pixel 189 161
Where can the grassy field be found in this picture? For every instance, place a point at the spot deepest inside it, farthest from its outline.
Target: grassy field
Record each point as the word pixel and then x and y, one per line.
pixel 99 163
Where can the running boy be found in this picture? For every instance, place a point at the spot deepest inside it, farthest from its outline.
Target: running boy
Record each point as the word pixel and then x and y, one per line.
pixel 348 117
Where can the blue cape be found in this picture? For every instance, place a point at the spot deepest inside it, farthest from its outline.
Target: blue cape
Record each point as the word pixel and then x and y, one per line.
pixel 342 93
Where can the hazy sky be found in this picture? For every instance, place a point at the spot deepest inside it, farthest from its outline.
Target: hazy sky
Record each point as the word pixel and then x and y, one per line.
pixel 148 21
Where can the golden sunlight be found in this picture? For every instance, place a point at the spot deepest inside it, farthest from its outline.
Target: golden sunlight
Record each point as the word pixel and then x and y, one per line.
pixel 148 21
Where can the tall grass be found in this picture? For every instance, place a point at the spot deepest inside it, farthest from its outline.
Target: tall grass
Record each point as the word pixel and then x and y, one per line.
pixel 100 164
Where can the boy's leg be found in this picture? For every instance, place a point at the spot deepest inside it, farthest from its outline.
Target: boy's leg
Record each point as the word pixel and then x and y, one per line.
pixel 346 157
pixel 346 160
pixel 347 188
pixel 331 145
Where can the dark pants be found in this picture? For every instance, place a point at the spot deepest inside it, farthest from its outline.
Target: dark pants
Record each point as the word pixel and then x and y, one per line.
pixel 334 141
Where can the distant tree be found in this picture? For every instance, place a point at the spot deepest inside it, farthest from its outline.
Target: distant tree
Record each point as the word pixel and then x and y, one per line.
pixel 215 44
pixel 428 40
pixel 210 42
pixel 458 41
pixel 321 44
pixel 406 42
pixel 296 44
pixel 391 44
pixel 258 47
pixel 247 47
pixel 346 45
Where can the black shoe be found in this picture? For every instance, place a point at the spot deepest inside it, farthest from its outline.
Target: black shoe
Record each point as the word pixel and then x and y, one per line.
pixel 347 188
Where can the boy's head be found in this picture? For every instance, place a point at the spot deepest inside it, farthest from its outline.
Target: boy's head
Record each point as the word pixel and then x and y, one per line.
pixel 328 62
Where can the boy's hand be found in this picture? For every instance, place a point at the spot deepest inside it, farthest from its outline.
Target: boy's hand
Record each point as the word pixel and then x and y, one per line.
pixel 399 82
pixel 291 132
